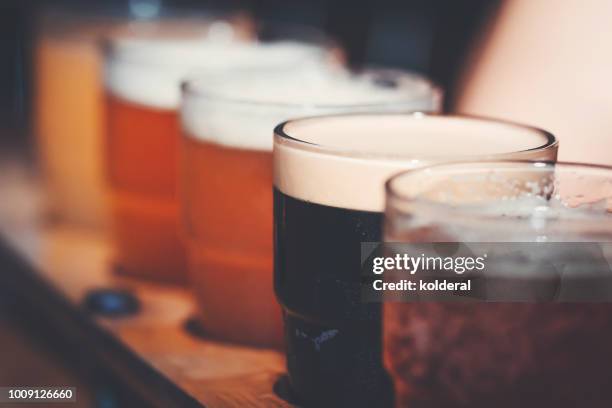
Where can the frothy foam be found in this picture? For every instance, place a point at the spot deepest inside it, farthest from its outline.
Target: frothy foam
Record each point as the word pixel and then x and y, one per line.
pixel 351 157
pixel 148 71
pixel 242 110
pixel 525 218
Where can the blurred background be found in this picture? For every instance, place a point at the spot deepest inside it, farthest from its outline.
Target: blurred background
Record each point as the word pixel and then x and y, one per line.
pixel 540 62
pixel 431 37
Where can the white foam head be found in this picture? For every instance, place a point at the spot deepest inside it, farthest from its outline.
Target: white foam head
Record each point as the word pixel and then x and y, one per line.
pixel 242 108
pixel 148 70
pixel 503 201
pixel 343 161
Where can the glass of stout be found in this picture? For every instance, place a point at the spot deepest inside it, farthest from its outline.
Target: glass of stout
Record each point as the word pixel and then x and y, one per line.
pixel 329 175
pixel 543 336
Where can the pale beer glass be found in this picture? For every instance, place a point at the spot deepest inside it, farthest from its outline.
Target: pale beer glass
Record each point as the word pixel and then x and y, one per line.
pixel 69 114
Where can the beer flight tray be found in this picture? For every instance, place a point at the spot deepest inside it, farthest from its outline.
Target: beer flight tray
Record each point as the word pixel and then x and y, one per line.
pixel 54 268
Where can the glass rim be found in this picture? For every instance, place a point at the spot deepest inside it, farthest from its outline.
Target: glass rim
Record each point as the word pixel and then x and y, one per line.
pixel 281 136
pixel 394 198
pixel 188 89
pixel 110 46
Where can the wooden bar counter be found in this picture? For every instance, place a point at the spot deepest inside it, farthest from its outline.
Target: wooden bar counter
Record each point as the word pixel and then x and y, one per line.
pixel 57 266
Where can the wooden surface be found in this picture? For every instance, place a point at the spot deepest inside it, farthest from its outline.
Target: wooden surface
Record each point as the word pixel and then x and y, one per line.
pixel 75 261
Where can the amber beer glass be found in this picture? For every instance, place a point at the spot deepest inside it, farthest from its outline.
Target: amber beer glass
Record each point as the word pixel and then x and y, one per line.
pixel 227 179
pixel 143 74
pixel 536 331
pixel 69 102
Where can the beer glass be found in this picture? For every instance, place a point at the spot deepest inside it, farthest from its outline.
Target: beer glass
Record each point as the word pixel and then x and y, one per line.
pixel 227 178
pixel 68 110
pixel 329 175
pixel 143 74
pixel 537 351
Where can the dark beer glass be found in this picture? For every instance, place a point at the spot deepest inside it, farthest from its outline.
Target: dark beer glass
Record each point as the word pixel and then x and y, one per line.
pixel 551 228
pixel 329 175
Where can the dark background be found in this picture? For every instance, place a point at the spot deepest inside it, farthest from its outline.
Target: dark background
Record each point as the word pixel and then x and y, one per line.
pixel 431 37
